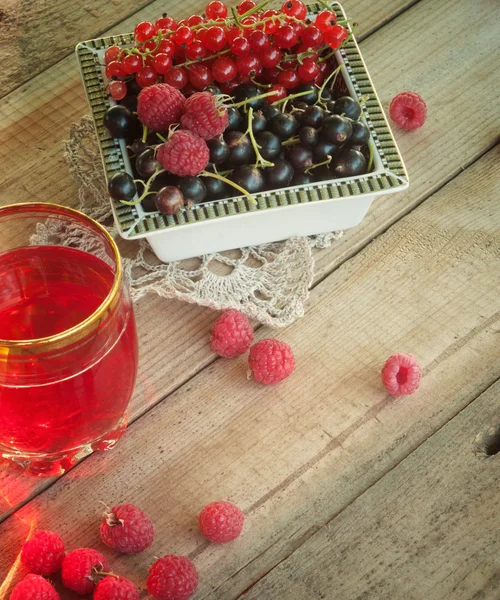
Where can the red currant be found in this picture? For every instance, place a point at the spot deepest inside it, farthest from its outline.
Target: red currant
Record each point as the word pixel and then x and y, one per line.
pixel 270 57
pixel 165 24
pixel 117 90
pixel 248 66
pixel 251 20
pixel 146 76
pixel 285 37
pixel 308 70
pixel 229 86
pixel 200 76
pixel 181 23
pixel 196 50
pixel 245 6
pixel 279 93
pixel 183 35
pixel 312 37
pixel 150 45
pixel 215 38
pixel 149 61
pixel 259 41
pixel 325 20
pixel 216 10
pixel 294 8
pixel 271 75
pixel 240 46
pixel 289 79
pixel 112 53
pixel 272 25
pixel 144 31
pixel 162 63
pixel 132 63
pixel 167 47
pixel 115 69
pixel 232 32
pixel 194 20
pixel 176 77
pixel 224 69
pixel 336 36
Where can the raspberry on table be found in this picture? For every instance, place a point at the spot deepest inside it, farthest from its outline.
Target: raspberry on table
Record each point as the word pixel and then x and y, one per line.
pixel 115 588
pixel 202 116
pixel 34 587
pixel 408 110
pixel 43 553
pixel 271 361
pixel 401 374
pixel 232 334
pixel 184 153
pixel 80 567
pixel 159 106
pixel 221 521
pixel 172 578
pixel 127 528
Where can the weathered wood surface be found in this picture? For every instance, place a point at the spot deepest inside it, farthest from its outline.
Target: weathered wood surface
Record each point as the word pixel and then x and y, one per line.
pixel 295 455
pixel 160 321
pixel 35 35
pixel 428 530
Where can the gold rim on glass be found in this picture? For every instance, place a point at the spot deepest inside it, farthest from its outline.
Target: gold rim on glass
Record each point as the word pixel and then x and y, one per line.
pixel 35 345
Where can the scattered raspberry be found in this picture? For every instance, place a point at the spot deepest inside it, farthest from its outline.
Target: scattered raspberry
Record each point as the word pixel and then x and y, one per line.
pixel 172 578
pixel 232 334
pixel 79 568
pixel 34 587
pixel 203 116
pixel 271 361
pixel 401 374
pixel 43 553
pixel 221 521
pixel 408 110
pixel 184 154
pixel 127 528
pixel 115 588
pixel 159 106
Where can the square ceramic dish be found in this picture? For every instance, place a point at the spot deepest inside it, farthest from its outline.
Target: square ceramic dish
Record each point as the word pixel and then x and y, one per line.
pixel 279 214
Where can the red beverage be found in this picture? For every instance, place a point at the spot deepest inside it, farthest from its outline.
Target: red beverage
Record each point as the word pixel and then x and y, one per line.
pixel 68 397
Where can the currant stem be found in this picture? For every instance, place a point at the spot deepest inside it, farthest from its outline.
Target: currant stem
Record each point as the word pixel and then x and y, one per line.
pixel 146 191
pixel 199 60
pixel 291 141
pixel 334 73
pixel 231 183
pixel 261 161
pixel 144 133
pixel 325 162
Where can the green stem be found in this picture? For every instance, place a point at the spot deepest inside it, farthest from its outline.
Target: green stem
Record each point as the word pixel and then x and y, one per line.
pixel 255 9
pixel 325 162
pixel 261 161
pixel 231 183
pixel 146 191
pixel 144 133
pixel 199 60
pixel 163 139
pixel 334 73
pixel 291 141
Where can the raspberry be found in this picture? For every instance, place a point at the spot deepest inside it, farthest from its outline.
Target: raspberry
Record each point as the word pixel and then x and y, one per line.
pixel 79 568
pixel 172 578
pixel 184 153
pixel 271 361
pixel 401 374
pixel 221 521
pixel 127 528
pixel 43 553
pixel 34 587
pixel 232 334
pixel 408 110
pixel 203 117
pixel 115 588
pixel 159 106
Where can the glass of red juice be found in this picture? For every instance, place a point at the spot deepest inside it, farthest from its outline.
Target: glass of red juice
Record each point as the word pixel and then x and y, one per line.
pixel 68 340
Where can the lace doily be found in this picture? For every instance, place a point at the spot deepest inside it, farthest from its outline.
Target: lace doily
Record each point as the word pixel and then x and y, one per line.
pixel 270 283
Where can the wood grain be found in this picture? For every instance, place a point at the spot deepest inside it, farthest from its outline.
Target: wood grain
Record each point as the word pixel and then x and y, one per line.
pixel 295 455
pixel 428 530
pixel 36 34
pixel 180 330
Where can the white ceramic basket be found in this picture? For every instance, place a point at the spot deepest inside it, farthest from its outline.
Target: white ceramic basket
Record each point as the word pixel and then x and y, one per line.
pixel 279 214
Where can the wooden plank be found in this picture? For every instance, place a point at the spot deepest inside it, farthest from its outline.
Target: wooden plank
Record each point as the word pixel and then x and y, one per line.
pixel 294 455
pixel 160 322
pixel 34 38
pixel 427 530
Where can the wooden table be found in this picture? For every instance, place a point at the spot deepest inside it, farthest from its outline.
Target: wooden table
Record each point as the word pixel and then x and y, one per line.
pixel 348 493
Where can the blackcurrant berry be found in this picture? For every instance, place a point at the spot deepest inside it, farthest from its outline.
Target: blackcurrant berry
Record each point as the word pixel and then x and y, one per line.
pixel 300 157
pixel 216 188
pixel 270 145
pixel 138 146
pixel 249 178
pixel 259 122
pixel 219 151
pixel 348 163
pixel 302 179
pixel 336 129
pixel 348 107
pixel 279 175
pixel 360 134
pixel 240 148
pixel 284 125
pixel 193 189
pixel 311 97
pixel 213 89
pixel 322 151
pixel 169 200
pixel 129 102
pixel 119 121
pixel 271 111
pixel 235 119
pixel 246 91
pixel 308 136
pixel 312 116
pixel 121 186
pixel 146 163
pixel 148 204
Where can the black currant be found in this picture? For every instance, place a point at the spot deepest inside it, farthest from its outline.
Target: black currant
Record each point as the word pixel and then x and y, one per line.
pixel 215 188
pixel 312 116
pixel 300 157
pixel 279 175
pixel 163 179
pixel 309 136
pixel 259 122
pixel 119 121
pixel 133 88
pixel 336 129
pixel 326 95
pixel 235 118
pixel 271 111
pixel 193 189
pixel 323 173
pixel 138 146
pixel 246 91
pixel 148 204
pixel 129 102
pixel 302 178
pixel 146 163
pixel 219 151
pixel 213 89
pixel 322 150
pixel 311 97
pixel 121 186
pixel 249 178
pixel 169 200
pixel 348 163
pixel 299 103
pixel 240 148
pixel 360 134
pixel 284 125
pixel 270 145
pixel 348 107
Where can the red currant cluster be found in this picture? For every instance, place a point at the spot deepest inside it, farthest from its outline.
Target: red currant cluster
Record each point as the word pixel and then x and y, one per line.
pixel 277 49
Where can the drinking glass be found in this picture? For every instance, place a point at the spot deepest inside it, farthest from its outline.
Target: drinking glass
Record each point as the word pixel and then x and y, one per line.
pixel 68 340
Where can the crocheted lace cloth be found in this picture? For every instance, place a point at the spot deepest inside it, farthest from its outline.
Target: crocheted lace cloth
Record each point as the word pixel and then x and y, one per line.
pixel 270 283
